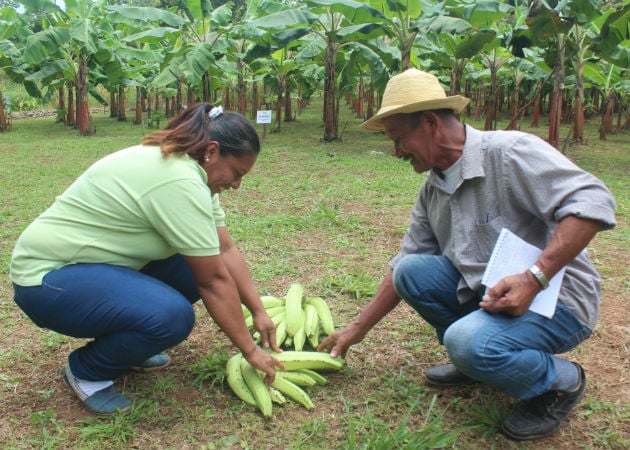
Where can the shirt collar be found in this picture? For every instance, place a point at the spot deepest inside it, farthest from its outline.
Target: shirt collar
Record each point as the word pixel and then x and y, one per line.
pixel 472 159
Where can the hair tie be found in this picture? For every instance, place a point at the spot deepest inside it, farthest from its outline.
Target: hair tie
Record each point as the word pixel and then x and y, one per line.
pixel 215 112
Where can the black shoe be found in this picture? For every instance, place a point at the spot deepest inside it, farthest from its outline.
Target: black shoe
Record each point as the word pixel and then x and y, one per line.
pixel 541 416
pixel 446 375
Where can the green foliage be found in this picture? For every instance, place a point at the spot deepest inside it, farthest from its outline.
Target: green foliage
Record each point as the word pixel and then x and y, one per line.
pixel 364 431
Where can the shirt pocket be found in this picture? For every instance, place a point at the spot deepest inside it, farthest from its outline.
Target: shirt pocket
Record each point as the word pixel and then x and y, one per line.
pixel 482 236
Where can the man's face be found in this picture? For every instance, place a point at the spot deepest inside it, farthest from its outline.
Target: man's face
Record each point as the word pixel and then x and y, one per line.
pixel 411 140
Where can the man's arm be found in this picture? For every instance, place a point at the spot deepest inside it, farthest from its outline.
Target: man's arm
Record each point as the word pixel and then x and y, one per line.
pixel 515 293
pixel 385 300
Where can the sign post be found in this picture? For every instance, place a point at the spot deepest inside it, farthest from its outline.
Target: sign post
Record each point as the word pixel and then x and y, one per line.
pixel 263 117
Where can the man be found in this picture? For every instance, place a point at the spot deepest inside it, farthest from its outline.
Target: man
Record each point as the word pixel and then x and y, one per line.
pixel 478 183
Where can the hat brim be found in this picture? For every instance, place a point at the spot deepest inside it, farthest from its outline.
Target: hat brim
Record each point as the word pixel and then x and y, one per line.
pixel 375 123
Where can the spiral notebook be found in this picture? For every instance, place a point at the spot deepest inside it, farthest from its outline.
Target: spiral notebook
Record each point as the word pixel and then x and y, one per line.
pixel 512 255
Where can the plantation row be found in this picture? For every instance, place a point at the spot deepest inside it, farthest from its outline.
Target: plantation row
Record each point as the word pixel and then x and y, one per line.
pixel 567 59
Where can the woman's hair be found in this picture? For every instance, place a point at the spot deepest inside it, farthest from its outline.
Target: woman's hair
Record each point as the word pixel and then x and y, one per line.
pixel 190 132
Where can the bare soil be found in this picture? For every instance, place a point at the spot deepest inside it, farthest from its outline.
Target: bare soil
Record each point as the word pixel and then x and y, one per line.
pixel 400 347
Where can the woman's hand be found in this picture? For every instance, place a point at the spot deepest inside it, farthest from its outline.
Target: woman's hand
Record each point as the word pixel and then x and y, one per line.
pixel 264 325
pixel 263 361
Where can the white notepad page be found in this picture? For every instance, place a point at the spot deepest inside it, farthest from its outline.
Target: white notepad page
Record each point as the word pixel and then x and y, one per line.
pixel 512 255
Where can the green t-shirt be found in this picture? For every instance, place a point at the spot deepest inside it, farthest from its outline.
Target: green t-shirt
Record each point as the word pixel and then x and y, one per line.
pixel 129 208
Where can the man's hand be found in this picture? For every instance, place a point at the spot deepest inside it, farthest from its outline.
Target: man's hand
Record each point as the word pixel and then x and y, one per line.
pixel 337 344
pixel 512 295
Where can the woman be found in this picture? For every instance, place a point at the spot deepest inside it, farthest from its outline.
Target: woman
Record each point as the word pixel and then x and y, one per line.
pixel 126 250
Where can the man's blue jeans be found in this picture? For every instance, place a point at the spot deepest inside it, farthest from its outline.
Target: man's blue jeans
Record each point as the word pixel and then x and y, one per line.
pixel 513 354
pixel 131 315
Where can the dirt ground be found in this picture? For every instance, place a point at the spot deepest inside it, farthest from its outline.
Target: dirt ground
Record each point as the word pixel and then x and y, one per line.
pixel 33 389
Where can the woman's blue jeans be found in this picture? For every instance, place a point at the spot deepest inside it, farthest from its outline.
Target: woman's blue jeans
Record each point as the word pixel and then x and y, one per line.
pixel 513 354
pixel 130 315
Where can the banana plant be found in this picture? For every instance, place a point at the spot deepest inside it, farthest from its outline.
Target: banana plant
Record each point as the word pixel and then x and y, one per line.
pixel 553 28
pixel 137 48
pixel 11 61
pixel 68 43
pixel 341 24
pixel 403 26
pixel 332 26
pixel 488 38
pixel 201 42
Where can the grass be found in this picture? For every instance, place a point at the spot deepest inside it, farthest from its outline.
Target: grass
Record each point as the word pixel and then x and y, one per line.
pixel 329 216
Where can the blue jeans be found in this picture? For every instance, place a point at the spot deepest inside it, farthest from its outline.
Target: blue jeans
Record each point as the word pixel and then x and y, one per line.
pixel 130 315
pixel 513 354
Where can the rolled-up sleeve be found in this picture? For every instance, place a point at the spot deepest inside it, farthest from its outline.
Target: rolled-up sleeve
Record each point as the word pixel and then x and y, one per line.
pixel 545 182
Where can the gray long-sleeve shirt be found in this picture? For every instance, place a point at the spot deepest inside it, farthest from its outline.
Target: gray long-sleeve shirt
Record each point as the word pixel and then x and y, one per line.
pixel 513 180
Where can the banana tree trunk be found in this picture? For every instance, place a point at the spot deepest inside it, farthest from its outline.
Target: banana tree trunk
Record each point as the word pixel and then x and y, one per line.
pixel 3 118
pixel 491 111
pixel 555 113
pixel 242 89
pixel 479 103
pixel 536 107
pixel 190 96
pixel 62 116
pixel 83 111
pixel 113 105
pixel 288 112
pixel 331 133
pixel 255 99
pixel 280 81
pixel 578 107
pixel 205 80
pixel 138 116
pixel 606 124
pixel 179 96
pixel 122 104
pixel 370 100
pixel 514 106
pixel 71 116
pixel 360 96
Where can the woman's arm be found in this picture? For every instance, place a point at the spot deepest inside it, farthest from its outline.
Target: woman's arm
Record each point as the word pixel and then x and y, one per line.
pixel 220 296
pixel 247 291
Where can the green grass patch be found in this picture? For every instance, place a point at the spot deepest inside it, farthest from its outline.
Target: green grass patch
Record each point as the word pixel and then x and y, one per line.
pixel 329 215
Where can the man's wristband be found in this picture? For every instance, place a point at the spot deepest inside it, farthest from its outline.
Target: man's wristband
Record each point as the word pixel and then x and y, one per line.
pixel 540 276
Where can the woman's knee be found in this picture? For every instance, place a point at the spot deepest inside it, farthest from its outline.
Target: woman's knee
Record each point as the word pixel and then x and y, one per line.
pixel 173 322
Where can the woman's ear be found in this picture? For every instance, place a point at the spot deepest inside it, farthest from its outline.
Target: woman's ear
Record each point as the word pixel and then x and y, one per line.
pixel 212 151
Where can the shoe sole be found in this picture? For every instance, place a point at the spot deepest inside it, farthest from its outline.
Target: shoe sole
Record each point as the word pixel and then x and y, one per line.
pixel 448 385
pixel 445 384
pixel 149 369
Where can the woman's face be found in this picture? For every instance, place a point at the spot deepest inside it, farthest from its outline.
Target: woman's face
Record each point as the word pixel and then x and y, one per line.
pixel 226 172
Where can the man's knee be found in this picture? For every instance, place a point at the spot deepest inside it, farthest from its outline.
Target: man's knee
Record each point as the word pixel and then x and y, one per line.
pixel 409 272
pixel 464 344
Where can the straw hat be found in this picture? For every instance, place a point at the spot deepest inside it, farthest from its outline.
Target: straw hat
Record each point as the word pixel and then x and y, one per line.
pixel 410 91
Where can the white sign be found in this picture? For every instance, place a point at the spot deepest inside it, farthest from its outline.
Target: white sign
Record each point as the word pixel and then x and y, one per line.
pixel 263 116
